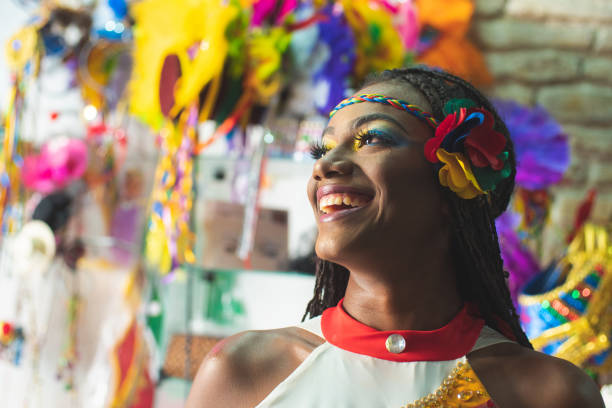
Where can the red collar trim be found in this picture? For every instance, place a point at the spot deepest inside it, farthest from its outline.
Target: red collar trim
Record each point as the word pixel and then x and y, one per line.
pixel 450 342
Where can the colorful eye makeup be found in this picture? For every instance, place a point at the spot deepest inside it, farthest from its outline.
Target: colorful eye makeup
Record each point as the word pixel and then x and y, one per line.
pixel 363 138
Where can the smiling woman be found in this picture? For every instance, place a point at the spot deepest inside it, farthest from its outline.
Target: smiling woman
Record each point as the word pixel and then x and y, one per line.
pixel 411 307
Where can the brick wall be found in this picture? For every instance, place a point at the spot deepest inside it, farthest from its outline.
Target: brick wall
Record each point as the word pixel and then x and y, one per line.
pixel 558 53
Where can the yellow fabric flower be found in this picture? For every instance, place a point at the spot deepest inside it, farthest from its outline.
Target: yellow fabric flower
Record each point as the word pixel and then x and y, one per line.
pixel 457 175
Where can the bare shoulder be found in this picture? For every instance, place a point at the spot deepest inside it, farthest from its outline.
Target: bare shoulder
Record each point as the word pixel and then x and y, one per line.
pixel 241 370
pixel 516 376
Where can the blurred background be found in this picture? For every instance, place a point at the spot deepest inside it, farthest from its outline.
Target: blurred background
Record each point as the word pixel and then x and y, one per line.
pixel 155 155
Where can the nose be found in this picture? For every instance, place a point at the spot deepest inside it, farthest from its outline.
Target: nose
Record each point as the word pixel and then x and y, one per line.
pixel 332 165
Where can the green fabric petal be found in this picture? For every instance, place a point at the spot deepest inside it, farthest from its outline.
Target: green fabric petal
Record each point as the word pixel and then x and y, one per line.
pixel 488 178
pixel 454 105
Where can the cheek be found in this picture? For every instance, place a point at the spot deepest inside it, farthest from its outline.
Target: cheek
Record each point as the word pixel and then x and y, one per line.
pixel 310 192
pixel 407 173
pixel 409 185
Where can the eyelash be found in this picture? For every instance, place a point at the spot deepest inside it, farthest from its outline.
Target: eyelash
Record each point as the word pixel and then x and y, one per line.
pixel 319 149
pixel 364 136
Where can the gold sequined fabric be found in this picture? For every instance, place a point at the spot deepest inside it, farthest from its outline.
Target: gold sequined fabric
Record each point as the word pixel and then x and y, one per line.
pixel 460 389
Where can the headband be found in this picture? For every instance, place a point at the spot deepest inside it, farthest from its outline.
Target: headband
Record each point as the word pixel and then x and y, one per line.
pixel 469 154
pixel 396 103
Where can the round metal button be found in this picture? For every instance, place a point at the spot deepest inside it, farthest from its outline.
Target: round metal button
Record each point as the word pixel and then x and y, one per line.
pixel 395 343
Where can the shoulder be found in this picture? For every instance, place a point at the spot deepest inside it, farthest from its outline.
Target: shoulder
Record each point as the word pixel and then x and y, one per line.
pixel 518 376
pixel 241 370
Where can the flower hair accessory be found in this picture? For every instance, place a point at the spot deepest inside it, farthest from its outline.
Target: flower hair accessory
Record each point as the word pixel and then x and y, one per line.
pixel 471 152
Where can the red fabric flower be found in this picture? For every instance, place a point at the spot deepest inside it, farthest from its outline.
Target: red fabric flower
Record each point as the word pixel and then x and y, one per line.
pixel 445 127
pixel 483 145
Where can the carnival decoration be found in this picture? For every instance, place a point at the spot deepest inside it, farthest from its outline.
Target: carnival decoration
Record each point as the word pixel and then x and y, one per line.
pixel 133 386
pixel 443 40
pixel 337 41
pixel 103 72
pixel 519 260
pixel 48 177
pixel 379 45
pixel 33 248
pixel 571 320
pixel 23 53
pixel 542 157
pixel 176 30
pixel 60 161
pixel 11 342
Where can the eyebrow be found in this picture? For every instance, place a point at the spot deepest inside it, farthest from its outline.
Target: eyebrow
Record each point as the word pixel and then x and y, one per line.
pixel 362 120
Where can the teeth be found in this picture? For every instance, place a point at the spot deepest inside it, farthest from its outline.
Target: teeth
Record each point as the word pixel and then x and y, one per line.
pixel 340 199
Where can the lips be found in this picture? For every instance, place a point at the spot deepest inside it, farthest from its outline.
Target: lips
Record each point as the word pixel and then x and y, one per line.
pixel 336 200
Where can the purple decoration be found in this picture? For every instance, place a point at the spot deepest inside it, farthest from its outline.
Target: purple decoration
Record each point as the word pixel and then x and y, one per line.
pixel 540 145
pixel 336 34
pixel 518 260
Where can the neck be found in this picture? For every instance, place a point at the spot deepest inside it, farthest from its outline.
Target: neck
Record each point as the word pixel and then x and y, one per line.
pixel 423 296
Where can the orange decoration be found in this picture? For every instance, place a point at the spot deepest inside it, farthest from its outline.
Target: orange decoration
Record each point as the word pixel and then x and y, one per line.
pixel 452 51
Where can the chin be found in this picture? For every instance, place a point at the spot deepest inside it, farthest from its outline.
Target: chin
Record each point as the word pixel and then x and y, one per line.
pixel 333 250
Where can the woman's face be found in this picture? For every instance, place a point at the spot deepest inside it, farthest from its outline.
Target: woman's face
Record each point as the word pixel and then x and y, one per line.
pixel 373 192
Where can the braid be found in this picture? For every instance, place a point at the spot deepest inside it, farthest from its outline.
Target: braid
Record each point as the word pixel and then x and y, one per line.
pixel 481 277
pixel 330 285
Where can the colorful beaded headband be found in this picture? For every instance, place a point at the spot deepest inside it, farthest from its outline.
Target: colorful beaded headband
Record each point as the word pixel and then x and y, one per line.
pixel 469 153
pixel 396 103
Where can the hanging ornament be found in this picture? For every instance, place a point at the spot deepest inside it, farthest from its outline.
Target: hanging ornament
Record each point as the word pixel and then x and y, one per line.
pixel 61 161
pixel 21 48
pixel 169 237
pixel 33 248
pixel 11 342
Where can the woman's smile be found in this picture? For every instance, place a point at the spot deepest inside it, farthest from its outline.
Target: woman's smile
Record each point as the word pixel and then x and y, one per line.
pixel 337 201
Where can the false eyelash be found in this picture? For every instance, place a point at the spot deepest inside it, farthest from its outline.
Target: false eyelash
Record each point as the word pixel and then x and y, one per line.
pixel 318 149
pixel 363 136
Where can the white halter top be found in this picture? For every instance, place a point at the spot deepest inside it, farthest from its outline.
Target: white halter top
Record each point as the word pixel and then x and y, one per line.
pixel 332 377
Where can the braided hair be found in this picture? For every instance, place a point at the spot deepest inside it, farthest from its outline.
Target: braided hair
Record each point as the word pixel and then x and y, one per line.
pixel 474 243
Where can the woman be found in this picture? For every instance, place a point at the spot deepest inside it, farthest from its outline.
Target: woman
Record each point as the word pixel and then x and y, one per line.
pixel 424 306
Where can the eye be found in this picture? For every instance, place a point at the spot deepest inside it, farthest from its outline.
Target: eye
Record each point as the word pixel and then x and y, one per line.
pixel 372 137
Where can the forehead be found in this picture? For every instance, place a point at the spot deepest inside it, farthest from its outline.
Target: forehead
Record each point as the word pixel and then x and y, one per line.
pixel 398 90
pixel 346 117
